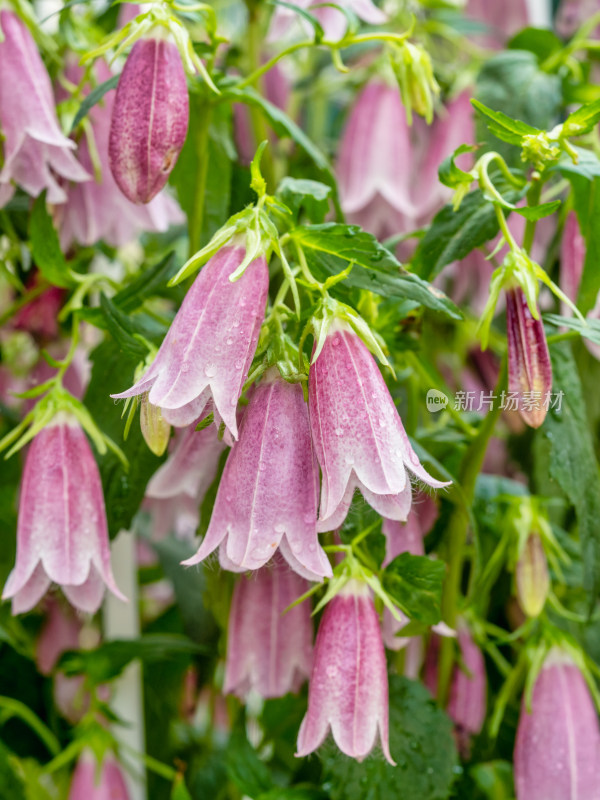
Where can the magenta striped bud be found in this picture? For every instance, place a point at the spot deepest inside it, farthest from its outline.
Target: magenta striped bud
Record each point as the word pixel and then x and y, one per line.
pixel 357 432
pixel 209 347
pixel 268 651
pixel 348 690
pixel 98 782
pixel 149 119
pixel 267 497
pixel 529 367
pixel 557 750
pixel 62 535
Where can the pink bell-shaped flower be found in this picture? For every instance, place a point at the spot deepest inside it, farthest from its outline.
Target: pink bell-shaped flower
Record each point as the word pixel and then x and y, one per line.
pixel 149 119
pixel 348 689
pixel 268 651
pixel 557 750
pixel 267 497
pixel 35 151
pixel 357 433
pixel 209 347
pixel 529 367
pixel 333 21
pixel 502 20
pixel 62 534
pixel 93 782
pixel 97 209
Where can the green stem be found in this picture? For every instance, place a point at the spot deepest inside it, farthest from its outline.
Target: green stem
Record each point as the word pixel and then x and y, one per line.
pixel 30 295
pixel 10 707
pixel 457 534
pixel 533 199
pixel 259 126
pixel 201 131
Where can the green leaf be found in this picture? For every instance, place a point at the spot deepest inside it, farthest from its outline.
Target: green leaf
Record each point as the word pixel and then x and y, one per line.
pixel 331 247
pixel 180 790
pixel 149 283
pixel 513 83
pixel 421 743
pixel 586 196
pixel 415 584
pixel 454 234
pixel 538 212
pixel 504 127
pixel 122 327
pixel 301 194
pixel 108 660
pixel 494 779
pixel 94 97
pixel 540 41
pixel 112 371
pixel 583 120
pixel 590 331
pixel 451 175
pixel 11 784
pixel 567 453
pixel 296 792
pixel 587 166
pixel 45 246
pixel 244 768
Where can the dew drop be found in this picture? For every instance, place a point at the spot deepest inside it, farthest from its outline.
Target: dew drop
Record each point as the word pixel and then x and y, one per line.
pixel 230 340
pixel 312 547
pixel 297 547
pixel 336 341
pixel 331 671
pixel 308 518
pixel 339 431
pixel 210 370
pixel 185 367
pixel 239 364
pixel 279 528
pixel 382 423
pixel 233 401
pixel 236 323
pixel 242 302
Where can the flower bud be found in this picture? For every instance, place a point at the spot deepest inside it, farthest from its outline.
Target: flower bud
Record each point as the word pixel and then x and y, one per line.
pixel 348 689
pixel 149 119
pixel 155 429
pixel 557 750
pixel 92 783
pixel 532 577
pixel 529 367
pixel 418 86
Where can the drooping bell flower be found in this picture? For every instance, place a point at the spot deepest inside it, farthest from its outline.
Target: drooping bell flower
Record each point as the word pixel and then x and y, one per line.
pixel 357 433
pixel 557 749
pixel 149 119
pixel 348 689
pixel 529 367
pixel 268 651
pixel 35 152
pixel 191 466
pixel 96 209
pixel 532 577
pixel 387 171
pixel 333 21
pixel 98 782
pixel 62 534
pixel 209 347
pixel 468 689
pixel 267 497
pixel 572 14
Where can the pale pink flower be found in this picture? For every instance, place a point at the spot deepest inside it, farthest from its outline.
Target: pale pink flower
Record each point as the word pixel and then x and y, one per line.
pixel 149 119
pixel 62 534
pixel 502 20
pixel 387 170
pixel 36 154
pixel 209 347
pixel 357 433
pixel 97 209
pixel 92 783
pixel 557 750
pixel 572 14
pixel 267 497
pixel 333 21
pixel 268 651
pixel 348 689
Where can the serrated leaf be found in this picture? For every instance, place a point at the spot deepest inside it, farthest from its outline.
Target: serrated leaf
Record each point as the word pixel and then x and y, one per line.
pixel 583 120
pixel 331 247
pixel 504 127
pixel 421 743
pixel 415 585
pixel 108 660
pixel 454 234
pixel 538 212
pixel 122 328
pixel 94 97
pixel 45 246
pixel 311 196
pixel 587 166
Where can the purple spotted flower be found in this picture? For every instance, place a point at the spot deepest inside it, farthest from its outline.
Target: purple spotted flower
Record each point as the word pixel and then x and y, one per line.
pixel 149 119
pixel 348 690
pixel 267 497
pixel 268 651
pixel 209 348
pixel 557 750
pixel 35 152
pixel 357 433
pixel 62 534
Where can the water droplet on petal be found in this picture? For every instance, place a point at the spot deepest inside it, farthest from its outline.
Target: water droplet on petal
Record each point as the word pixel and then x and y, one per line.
pixel 382 422
pixel 279 528
pixel 233 401
pixel 185 367
pixel 236 323
pixel 296 547
pixel 210 370
pixel 339 431
pixel 331 671
pixel 336 340
pixel 308 518
pixel 312 547
pixel 230 340
pixel 239 364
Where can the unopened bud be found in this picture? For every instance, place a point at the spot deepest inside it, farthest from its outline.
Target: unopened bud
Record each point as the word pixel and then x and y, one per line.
pixel 532 577
pixel 414 73
pixel 155 429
